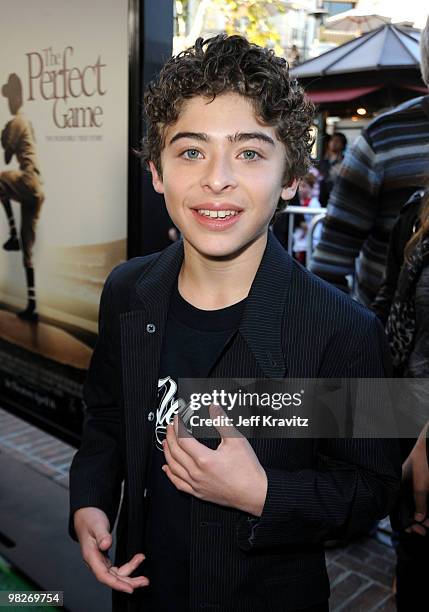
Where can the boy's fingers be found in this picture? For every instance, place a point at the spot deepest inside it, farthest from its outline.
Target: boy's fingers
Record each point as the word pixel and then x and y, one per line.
pixel 181 455
pixel 114 582
pixel 134 583
pixel 127 568
pixel 105 543
pixel 175 466
pixel 102 537
pixel 101 567
pixel 225 431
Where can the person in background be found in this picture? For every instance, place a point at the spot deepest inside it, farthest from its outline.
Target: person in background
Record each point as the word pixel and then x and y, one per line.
pixel 403 304
pixel 306 199
pixel 280 222
pixel 381 170
pixel 329 167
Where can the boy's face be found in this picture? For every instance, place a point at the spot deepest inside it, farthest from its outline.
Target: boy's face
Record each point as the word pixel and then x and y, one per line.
pixel 218 158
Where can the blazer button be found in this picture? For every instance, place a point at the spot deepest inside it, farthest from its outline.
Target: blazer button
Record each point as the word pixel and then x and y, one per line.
pixel 150 328
pixel 150 416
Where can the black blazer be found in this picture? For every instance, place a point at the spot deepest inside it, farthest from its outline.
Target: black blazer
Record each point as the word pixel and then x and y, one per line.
pixel 294 324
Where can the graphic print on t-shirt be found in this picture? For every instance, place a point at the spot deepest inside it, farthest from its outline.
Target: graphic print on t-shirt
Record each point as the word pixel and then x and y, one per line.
pixel 168 406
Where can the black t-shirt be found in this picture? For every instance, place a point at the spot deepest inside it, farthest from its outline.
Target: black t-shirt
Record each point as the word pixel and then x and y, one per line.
pixel 193 340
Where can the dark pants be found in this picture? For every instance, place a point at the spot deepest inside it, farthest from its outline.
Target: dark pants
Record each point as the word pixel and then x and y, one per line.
pixel 412 572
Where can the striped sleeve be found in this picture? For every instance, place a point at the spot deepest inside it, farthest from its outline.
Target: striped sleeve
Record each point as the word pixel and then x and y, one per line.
pixel 351 213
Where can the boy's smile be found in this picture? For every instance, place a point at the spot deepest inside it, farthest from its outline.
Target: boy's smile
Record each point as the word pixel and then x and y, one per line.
pixel 222 174
pixel 217 218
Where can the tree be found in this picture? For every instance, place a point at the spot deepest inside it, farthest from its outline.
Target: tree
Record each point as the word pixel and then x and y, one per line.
pixel 250 18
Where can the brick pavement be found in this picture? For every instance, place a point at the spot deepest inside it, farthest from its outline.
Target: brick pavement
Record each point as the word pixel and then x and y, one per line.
pixel 361 573
pixel 32 446
pixel 361 576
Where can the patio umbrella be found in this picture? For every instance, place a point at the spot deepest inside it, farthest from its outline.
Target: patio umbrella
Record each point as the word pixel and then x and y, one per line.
pixel 355 21
pixel 377 70
pixel 386 50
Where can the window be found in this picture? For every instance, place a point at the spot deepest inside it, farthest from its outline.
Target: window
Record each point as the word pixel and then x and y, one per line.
pixel 337 7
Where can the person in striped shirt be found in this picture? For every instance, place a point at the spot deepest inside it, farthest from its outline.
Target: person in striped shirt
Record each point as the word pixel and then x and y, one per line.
pixel 381 170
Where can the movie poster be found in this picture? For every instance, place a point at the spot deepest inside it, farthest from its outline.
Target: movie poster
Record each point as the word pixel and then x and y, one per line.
pixel 63 191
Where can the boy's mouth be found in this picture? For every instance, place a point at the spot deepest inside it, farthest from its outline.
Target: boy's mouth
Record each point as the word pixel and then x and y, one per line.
pixel 217 218
pixel 216 214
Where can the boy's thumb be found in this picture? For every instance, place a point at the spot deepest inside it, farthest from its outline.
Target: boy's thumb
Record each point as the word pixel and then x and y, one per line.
pixel 104 540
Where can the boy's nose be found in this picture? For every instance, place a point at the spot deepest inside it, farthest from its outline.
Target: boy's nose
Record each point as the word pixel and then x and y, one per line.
pixel 218 175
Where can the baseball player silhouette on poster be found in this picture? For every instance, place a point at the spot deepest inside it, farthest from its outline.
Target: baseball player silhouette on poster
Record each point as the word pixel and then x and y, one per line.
pixel 23 186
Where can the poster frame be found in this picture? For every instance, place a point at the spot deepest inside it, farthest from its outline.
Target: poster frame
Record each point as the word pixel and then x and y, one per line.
pixel 134 196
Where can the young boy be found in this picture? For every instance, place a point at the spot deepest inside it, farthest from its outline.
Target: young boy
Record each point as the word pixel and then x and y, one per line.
pixel 237 526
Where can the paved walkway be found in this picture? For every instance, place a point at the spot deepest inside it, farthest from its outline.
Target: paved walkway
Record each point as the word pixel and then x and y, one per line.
pixel 361 574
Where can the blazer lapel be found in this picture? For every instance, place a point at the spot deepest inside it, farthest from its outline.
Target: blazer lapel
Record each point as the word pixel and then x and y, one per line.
pixel 265 312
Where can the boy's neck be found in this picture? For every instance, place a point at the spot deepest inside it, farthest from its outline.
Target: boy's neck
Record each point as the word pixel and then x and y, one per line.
pixel 211 284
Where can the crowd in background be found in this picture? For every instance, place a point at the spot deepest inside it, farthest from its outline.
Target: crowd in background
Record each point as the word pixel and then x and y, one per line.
pixel 377 230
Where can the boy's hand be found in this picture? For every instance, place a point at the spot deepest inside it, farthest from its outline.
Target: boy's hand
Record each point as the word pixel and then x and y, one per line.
pixel 416 470
pixel 231 475
pixel 92 529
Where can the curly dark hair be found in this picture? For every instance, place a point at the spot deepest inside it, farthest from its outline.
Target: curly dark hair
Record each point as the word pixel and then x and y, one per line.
pixel 225 64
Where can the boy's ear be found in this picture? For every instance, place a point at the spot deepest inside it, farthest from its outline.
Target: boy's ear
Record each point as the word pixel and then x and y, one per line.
pixel 289 191
pixel 157 183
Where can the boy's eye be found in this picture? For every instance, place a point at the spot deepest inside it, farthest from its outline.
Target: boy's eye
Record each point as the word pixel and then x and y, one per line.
pixel 191 154
pixel 250 155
